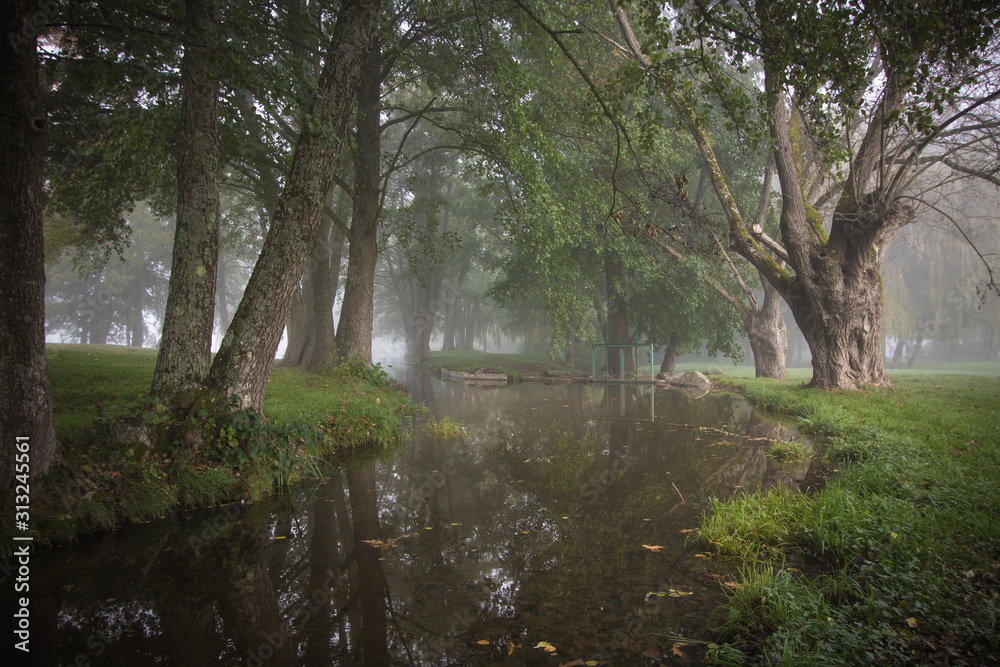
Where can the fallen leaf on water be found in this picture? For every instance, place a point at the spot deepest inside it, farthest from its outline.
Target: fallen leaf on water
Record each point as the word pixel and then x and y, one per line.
pixel 675 650
pixel 483 642
pixel 591 663
pixel 652 547
pixel 733 584
pixel 793 569
pixel 576 663
pixel 651 653
pixel 690 530
pixel 679 594
pixel 510 647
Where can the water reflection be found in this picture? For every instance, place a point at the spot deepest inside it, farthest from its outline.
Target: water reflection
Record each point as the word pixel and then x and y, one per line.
pixel 534 527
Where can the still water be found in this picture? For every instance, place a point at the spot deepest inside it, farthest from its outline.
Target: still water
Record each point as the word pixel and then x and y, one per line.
pixel 556 531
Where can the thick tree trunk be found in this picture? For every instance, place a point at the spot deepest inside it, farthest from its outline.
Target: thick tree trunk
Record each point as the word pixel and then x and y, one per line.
pixel 842 322
pixel 325 270
pixel 669 364
pixel 768 336
pixel 244 360
pixel 354 331
pixel 186 341
pixel 25 399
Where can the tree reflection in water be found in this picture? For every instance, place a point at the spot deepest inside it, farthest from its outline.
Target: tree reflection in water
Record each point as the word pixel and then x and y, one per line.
pixel 471 551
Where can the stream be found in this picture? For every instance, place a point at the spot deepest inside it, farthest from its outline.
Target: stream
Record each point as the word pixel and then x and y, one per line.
pixel 556 530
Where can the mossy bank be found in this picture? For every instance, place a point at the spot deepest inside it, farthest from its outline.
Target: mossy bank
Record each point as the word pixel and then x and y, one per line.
pixel 896 560
pixel 309 421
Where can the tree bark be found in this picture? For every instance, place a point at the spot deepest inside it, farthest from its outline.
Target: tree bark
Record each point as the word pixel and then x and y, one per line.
pixel 325 269
pixel 244 361
pixel 354 331
pixel 295 329
pixel 186 341
pixel 768 336
pixel 26 399
pixel 669 364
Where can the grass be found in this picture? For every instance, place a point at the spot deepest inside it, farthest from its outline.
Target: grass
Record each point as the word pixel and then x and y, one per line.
pixel 515 366
pixel 103 476
pixel 902 546
pixel 445 428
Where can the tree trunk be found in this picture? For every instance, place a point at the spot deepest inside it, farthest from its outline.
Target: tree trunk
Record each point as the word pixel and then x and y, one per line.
pixel 918 343
pixel 618 324
pixel 186 341
pixel 669 364
pixel 295 329
pixel 768 336
pixel 26 399
pixel 451 310
pixel 244 360
pixel 221 301
pixel 354 331
pixel 325 270
pixel 471 320
pixel 138 325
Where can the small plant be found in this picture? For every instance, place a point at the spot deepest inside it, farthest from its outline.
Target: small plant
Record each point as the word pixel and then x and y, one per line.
pixel 446 428
pixel 356 368
pixel 790 450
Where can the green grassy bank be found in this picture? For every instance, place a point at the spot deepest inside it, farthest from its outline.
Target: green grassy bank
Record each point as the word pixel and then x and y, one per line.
pixel 896 560
pixel 99 480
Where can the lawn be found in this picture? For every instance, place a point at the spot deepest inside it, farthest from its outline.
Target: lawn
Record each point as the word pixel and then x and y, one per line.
pixel 897 558
pixel 105 475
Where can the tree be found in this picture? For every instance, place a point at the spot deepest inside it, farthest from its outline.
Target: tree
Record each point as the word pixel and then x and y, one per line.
pixel 908 90
pixel 185 344
pixel 246 355
pixel 26 399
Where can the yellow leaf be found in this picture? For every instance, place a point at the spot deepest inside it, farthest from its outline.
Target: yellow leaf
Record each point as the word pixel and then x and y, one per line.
pixel 483 642
pixel 912 622
pixel 549 649
pixel 675 650
pixel 510 647
pixel 542 644
pixel 652 547
pixel 591 663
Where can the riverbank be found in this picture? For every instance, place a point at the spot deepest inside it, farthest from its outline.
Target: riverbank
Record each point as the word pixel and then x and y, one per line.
pixel 516 367
pixel 896 560
pixel 309 420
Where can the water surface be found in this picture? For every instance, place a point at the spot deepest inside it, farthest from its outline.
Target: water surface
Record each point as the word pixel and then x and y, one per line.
pixel 533 530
